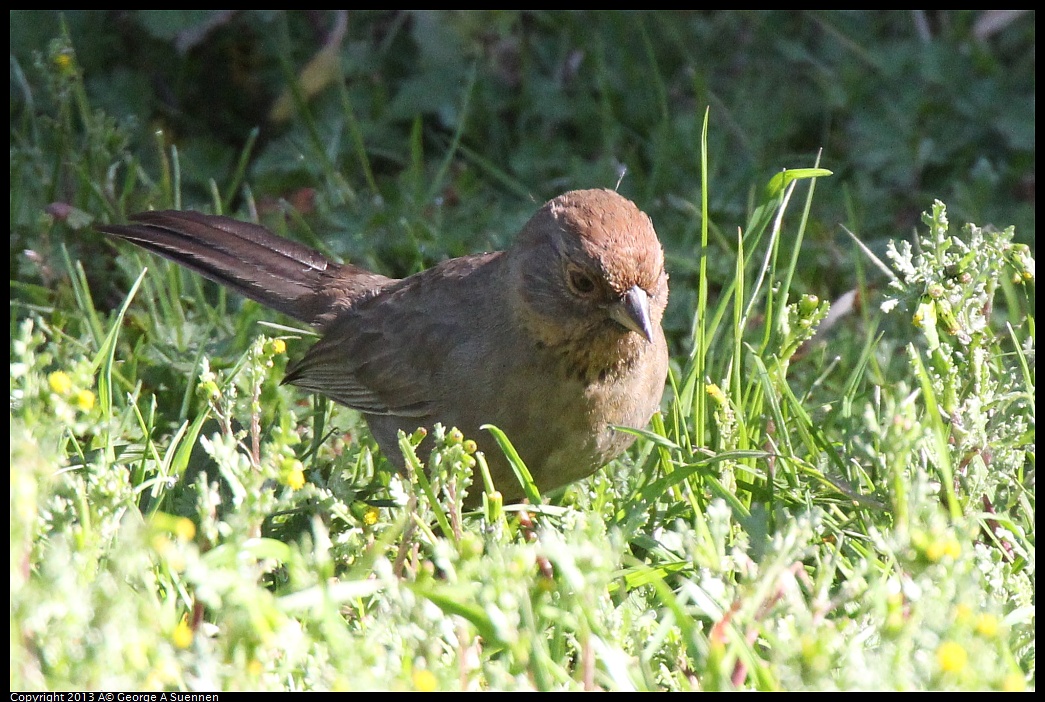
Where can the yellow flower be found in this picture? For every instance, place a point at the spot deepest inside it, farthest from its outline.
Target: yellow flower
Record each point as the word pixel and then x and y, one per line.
pixel 296 479
pixel 64 61
pixel 951 656
pixel 987 625
pixel 1013 682
pixel 84 400
pixel 60 382
pixel 182 636
pixel 160 543
pixel 943 546
pixel 291 472
pixel 185 529
pixel 716 394
pixel 279 346
pixel 370 516
pixel 934 551
pixel 424 681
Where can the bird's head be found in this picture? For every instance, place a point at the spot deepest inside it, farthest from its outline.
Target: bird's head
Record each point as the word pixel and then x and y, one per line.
pixel 589 276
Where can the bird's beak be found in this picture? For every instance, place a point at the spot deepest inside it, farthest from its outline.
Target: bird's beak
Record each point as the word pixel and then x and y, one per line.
pixel 632 312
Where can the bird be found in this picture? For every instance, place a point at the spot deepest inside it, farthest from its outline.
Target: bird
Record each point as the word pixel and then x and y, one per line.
pixel 557 340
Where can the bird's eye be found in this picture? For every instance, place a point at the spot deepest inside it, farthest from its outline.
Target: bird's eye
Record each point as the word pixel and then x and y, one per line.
pixel 581 282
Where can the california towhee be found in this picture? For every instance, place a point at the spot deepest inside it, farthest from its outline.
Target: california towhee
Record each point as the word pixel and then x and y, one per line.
pixel 554 340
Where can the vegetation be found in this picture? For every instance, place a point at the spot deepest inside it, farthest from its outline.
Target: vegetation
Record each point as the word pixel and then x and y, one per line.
pixel 836 495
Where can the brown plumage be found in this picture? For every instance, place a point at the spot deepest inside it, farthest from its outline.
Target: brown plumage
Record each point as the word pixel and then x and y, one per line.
pixel 554 340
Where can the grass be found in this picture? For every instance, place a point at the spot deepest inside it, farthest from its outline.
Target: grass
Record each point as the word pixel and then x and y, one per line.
pixel 834 496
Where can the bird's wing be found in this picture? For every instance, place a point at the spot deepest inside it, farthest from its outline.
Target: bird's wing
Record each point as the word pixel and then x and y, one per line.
pixel 387 355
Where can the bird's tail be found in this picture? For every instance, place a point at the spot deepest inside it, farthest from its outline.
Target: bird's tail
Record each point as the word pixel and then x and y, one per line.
pixel 251 260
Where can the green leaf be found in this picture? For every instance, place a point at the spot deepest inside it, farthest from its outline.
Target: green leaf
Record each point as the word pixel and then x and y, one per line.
pixel 778 183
